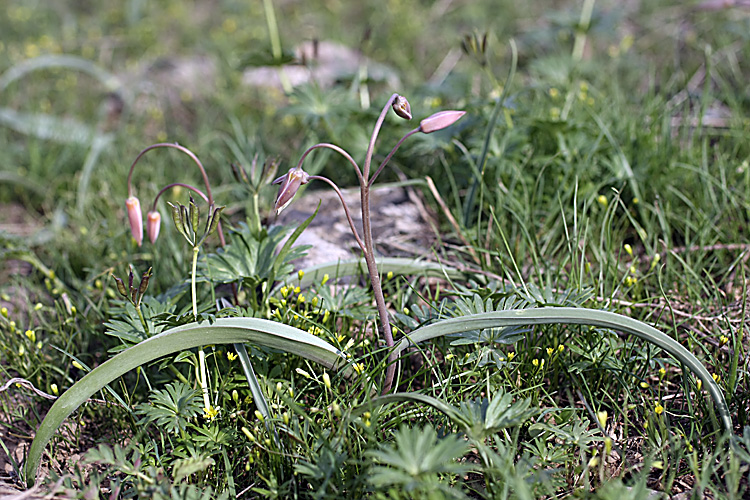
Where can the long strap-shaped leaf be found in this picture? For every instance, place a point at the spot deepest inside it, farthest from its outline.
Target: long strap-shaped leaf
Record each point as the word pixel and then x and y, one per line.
pixel 577 316
pixel 222 331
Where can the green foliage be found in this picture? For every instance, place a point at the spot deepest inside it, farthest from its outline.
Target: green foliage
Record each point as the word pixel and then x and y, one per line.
pixel 412 467
pixel 608 174
pixel 172 408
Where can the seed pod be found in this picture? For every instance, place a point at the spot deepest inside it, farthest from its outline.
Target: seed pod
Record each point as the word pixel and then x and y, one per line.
pixel 195 214
pixel 120 286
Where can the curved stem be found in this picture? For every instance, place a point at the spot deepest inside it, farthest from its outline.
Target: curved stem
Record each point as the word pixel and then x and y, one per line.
pixel 195 160
pixel 393 151
pixel 377 289
pixel 374 136
pixel 176 184
pixel 338 150
pixel 346 210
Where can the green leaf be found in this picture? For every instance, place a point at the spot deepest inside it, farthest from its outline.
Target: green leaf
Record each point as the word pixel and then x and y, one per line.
pixel 222 331
pixel 575 316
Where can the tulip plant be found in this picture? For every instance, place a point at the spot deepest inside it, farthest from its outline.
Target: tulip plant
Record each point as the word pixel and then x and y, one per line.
pixel 292 180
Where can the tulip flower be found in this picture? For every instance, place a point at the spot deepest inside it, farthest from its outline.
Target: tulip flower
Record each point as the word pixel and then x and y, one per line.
pixel 153 224
pixel 290 184
pixel 439 121
pixel 135 217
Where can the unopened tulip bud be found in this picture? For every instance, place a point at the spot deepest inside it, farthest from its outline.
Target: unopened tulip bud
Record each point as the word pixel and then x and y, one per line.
pixel 135 217
pixel 290 184
pixel 153 225
pixel 401 107
pixel 440 120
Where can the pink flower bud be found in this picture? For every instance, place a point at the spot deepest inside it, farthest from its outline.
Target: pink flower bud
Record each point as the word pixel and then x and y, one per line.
pixel 290 184
pixel 135 216
pixel 440 120
pixel 153 224
pixel 401 107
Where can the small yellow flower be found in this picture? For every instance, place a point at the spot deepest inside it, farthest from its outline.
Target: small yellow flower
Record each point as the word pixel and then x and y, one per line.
pixel 38 306
pixel 31 335
pixel 21 351
pixel 210 413
pixel 394 330
pixel 303 373
pixel 300 274
pixel 602 200
pixel 644 385
pixel 359 368
pixel 325 279
pixel 560 348
pixel 327 380
pixel 297 289
pixel 259 416
pixel 314 301
pixel 662 373
pixel 285 418
pixel 300 299
pixel 4 311
pixel 284 291
pixel 628 249
pixel 645 425
pixel 511 355
pixel 235 395
pixel 550 351
pixel 659 409
pixel 716 377
pixel 406 311
pixel 554 93
pixel 389 276
pixel 336 409
pixel 723 340
pixel 54 389
pixel 231 356
pixel 76 364
pixel 699 384
pixel 326 315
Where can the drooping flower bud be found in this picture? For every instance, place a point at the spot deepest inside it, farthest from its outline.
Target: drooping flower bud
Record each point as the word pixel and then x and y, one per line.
pixel 401 107
pixel 440 120
pixel 153 225
pixel 135 217
pixel 290 184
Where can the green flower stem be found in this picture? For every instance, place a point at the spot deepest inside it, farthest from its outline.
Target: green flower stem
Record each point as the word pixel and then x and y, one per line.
pixel 202 373
pixel 140 316
pixel 196 249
